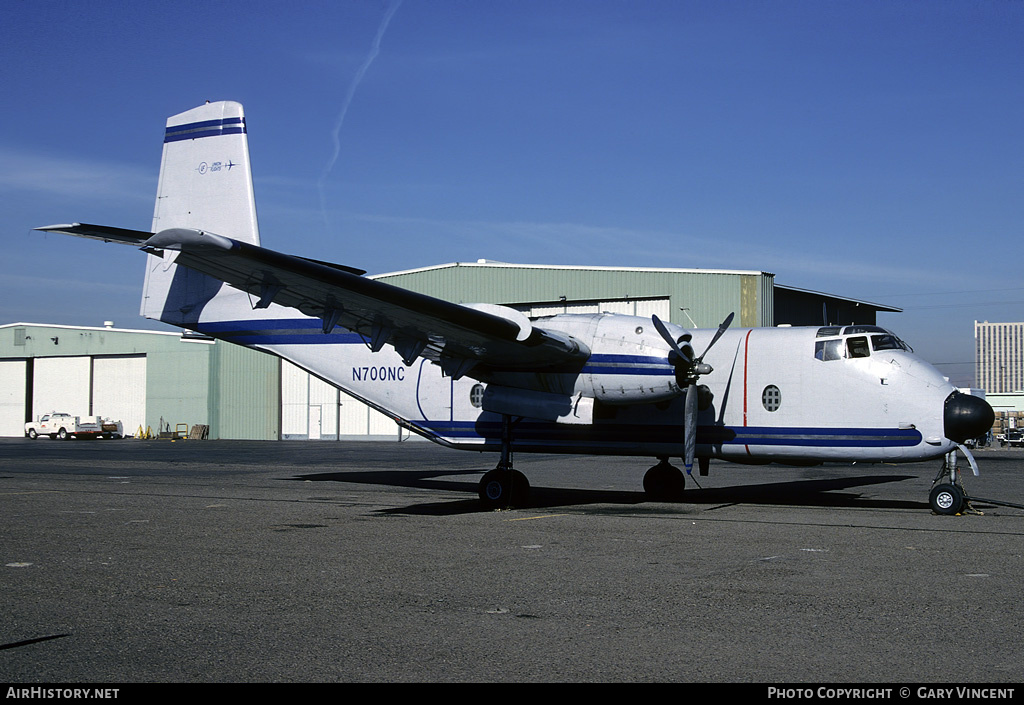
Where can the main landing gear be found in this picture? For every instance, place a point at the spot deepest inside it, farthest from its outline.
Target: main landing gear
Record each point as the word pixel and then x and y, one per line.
pixel 664 482
pixel 504 487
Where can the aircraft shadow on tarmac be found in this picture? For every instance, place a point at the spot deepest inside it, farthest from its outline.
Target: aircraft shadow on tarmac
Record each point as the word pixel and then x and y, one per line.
pixel 803 493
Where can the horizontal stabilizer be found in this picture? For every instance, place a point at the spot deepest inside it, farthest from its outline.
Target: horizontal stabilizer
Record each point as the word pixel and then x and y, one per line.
pixel 140 238
pixel 100 232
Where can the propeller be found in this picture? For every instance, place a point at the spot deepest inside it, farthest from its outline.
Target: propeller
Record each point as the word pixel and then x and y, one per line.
pixel 688 371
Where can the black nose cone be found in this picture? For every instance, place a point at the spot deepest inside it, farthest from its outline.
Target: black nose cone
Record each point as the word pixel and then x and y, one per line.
pixel 966 417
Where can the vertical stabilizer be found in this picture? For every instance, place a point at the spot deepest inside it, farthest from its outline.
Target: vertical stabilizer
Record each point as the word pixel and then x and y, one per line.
pixel 206 184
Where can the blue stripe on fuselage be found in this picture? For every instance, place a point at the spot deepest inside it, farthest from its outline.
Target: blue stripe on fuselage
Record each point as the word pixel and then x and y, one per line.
pixel 617 434
pixel 603 364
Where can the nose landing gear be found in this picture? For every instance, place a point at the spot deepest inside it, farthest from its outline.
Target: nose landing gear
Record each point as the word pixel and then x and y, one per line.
pixel 948 495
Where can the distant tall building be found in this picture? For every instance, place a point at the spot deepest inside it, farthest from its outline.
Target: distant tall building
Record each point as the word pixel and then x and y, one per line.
pixel 999 356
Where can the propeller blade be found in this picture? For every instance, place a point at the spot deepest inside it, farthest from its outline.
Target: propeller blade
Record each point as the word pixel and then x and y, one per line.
pixel 721 329
pixel 690 433
pixel 663 332
pixel 694 367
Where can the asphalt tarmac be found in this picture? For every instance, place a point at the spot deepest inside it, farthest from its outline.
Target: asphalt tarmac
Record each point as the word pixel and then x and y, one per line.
pixel 234 561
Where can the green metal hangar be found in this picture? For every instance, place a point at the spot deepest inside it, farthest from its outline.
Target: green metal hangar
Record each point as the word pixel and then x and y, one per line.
pixel 145 379
pixel 160 380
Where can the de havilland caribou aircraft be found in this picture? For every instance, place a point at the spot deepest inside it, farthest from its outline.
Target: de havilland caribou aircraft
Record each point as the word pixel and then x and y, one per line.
pixel 487 377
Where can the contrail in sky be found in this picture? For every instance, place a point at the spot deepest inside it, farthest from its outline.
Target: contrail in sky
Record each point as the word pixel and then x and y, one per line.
pixel 335 135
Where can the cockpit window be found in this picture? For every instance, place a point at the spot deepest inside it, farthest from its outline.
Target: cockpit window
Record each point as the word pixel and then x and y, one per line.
pixel 884 341
pixel 874 338
pixel 858 347
pixel 851 330
pixel 826 350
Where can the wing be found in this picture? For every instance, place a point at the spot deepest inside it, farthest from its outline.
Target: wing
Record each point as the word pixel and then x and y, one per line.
pixel 458 337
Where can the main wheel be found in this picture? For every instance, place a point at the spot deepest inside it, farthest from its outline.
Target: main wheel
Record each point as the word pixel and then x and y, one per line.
pixel 501 489
pixel 62 434
pixel 947 499
pixel 32 433
pixel 664 483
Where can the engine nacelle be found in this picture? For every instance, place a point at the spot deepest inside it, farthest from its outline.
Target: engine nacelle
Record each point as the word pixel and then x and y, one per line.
pixel 539 405
pixel 630 363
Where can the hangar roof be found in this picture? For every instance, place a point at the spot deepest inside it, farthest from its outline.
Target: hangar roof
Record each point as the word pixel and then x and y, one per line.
pixel 574 267
pixel 836 297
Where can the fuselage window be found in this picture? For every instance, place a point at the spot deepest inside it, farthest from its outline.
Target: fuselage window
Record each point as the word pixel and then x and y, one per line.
pixel 858 347
pixel 771 398
pixel 476 395
pixel 828 349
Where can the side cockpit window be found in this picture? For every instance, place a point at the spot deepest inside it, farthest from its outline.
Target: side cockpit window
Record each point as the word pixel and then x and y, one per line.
pixel 826 350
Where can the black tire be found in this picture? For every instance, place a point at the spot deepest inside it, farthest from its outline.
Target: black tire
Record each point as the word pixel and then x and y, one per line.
pixel 32 434
pixel 504 489
pixel 664 483
pixel 62 434
pixel 947 499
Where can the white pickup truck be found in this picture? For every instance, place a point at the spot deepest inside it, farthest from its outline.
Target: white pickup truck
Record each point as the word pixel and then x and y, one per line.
pixel 1013 438
pixel 61 425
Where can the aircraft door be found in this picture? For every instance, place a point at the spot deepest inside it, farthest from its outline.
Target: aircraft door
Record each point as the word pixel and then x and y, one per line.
pixel 434 392
pixel 315 419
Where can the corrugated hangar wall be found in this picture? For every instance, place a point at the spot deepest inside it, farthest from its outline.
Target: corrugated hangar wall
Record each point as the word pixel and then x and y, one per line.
pixel 146 379
pixel 245 393
pixel 707 296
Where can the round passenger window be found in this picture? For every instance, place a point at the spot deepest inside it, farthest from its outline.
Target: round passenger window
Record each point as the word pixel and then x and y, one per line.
pixel 771 398
pixel 476 395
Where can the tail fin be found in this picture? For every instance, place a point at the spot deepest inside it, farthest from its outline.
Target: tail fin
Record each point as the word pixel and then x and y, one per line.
pixel 205 183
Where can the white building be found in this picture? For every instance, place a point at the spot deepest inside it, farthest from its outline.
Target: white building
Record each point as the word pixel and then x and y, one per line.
pixel 999 357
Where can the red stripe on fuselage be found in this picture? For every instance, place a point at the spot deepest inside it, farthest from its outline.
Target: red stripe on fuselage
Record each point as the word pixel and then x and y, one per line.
pixel 746 356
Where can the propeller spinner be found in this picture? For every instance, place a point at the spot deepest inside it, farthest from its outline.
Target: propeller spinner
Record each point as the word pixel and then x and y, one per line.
pixel 688 370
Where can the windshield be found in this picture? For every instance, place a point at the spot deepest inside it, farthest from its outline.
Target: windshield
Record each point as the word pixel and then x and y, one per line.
pixel 854 343
pixel 886 341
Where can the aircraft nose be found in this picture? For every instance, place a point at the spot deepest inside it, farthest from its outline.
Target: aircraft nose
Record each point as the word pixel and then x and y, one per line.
pixel 966 417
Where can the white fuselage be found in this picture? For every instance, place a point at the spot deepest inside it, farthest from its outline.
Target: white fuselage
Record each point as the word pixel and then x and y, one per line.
pixel 787 394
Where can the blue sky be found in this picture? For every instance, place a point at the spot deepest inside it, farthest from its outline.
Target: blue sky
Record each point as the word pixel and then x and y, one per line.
pixel 871 149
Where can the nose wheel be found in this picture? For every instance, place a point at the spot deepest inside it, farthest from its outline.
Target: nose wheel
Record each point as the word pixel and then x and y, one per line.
pixel 949 497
